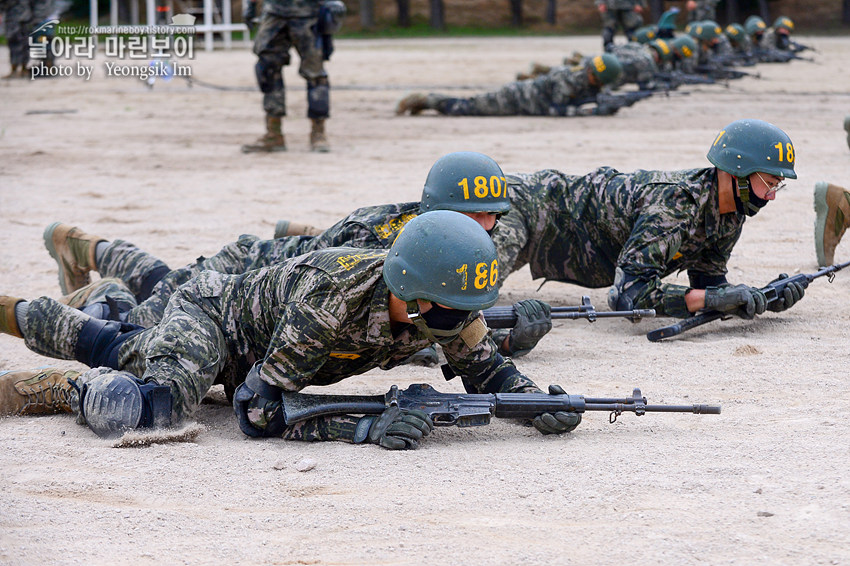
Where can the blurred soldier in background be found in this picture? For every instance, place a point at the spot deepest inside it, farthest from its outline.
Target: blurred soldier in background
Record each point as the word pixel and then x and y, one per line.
pixel 305 25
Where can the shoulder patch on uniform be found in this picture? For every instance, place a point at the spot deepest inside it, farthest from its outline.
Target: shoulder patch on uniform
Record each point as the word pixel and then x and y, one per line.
pixel 474 332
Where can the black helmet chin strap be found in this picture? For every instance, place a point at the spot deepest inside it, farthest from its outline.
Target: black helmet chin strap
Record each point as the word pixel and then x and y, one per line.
pixel 746 201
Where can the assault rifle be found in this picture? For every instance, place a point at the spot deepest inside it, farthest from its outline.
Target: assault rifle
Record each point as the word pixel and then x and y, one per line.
pixel 798 47
pixel 675 79
pixel 724 73
pixel 506 317
pixel 767 55
pixel 607 104
pixel 471 409
pixel 773 291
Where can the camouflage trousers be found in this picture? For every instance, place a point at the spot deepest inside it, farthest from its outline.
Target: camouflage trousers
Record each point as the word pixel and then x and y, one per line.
pixel 520 98
pixel 17 20
pixel 275 37
pixel 187 351
pixel 629 20
pixel 124 261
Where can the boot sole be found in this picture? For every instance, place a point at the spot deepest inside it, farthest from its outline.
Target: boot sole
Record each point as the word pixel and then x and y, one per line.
pixel 821 213
pixel 51 248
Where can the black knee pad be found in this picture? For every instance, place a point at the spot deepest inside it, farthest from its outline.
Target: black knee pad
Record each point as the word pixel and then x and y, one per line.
pixel 318 99
pixel 269 76
pixel 114 403
pixel 99 341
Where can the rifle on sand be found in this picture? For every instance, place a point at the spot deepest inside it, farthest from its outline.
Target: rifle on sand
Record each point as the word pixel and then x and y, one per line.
pixel 471 409
pixel 506 317
pixel 772 291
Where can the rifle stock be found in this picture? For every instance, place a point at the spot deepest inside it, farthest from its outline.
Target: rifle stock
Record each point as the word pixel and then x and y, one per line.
pixel 772 292
pixel 472 409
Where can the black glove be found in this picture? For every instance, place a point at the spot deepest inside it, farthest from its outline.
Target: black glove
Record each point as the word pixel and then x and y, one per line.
pixel 534 320
pixel 394 429
pixel 249 15
pixel 258 416
pixel 789 296
pixel 556 423
pixel 740 300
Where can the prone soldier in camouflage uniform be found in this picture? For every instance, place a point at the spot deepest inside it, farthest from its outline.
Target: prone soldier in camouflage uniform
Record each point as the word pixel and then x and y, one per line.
pixel 312 320
pixel 630 230
pixel 136 286
pixel 640 62
pixel 286 24
pixel 628 14
pixel 556 93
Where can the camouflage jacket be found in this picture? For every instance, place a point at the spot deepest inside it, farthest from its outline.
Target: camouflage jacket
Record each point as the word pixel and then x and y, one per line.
pixel 637 61
pixel 292 8
pixel 321 317
pixel 368 227
pixel 579 229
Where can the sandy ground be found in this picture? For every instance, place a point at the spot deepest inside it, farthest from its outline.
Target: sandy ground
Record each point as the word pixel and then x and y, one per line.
pixel 765 482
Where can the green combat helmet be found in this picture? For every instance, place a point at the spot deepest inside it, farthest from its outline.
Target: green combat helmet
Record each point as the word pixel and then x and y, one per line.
pixel 466 181
pixel 444 257
pixel 665 52
pixel 736 34
pixel 684 46
pixel 645 34
pixel 606 68
pixel 783 23
pixel 706 30
pixel 754 25
pixel 749 146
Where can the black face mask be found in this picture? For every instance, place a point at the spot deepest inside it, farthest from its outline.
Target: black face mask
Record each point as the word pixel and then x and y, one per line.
pixel 753 203
pixel 440 318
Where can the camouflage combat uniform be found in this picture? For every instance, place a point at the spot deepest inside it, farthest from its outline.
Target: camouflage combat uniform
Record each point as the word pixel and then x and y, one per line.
pixel 647 224
pixel 285 24
pixel 637 60
pixel 312 320
pixel 622 13
pixel 705 10
pixel 552 94
pixel 17 21
pixel 369 227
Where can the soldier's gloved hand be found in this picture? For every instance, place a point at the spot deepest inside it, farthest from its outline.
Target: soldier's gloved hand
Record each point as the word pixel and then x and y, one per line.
pixel 394 429
pixel 740 300
pixel 534 321
pixel 789 296
pixel 249 15
pixel 556 423
pixel 257 416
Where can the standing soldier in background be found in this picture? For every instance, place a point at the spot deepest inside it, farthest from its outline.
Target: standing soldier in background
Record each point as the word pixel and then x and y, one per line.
pixel 285 24
pixel 628 14
pixel 699 10
pixel 20 19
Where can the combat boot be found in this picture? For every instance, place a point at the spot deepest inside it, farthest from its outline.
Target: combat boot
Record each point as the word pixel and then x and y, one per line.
pixel 536 70
pixel 413 103
pixel 14 74
pixel 74 253
pixel 272 141
pixel 318 140
pixel 41 391
pixel 285 228
pixel 832 218
pixel 8 321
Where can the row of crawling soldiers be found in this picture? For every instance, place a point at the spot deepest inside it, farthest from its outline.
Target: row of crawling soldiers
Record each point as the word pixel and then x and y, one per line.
pixel 655 59
pixel 266 316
